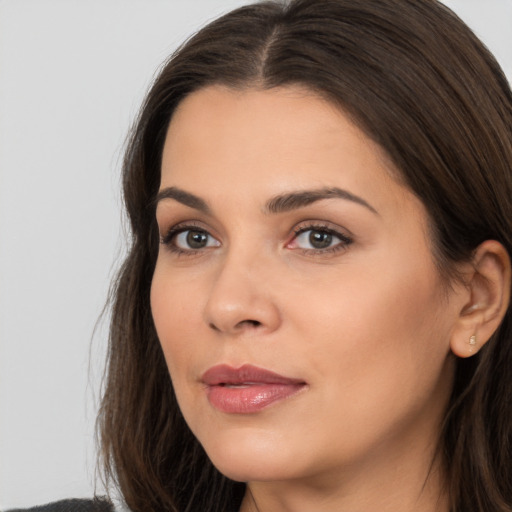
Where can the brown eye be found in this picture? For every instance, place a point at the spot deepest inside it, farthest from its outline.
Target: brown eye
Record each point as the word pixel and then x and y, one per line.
pixel 317 239
pixel 196 239
pixel 183 239
pixel 320 239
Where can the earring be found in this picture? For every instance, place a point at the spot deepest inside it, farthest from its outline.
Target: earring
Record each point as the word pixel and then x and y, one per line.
pixel 472 340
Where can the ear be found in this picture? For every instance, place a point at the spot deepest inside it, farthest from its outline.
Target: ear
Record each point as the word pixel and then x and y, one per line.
pixel 488 284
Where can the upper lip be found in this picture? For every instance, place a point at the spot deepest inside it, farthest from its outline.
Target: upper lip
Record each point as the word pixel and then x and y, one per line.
pixel 246 374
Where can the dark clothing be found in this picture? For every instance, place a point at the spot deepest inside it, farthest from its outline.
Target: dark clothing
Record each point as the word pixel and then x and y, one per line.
pixel 75 505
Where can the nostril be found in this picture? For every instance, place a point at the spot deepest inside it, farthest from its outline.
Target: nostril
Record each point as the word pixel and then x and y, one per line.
pixel 213 326
pixel 249 323
pixel 240 325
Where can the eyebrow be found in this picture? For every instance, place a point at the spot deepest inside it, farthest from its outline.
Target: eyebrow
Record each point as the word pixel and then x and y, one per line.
pixel 278 204
pixel 186 198
pixel 301 198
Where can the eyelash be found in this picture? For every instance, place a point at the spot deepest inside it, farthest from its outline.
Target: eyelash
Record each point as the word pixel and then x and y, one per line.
pixel 169 238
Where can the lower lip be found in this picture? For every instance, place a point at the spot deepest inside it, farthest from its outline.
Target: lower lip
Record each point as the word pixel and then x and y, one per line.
pixel 251 398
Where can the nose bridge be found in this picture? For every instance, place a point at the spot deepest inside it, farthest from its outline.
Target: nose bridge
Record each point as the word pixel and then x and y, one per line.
pixel 241 295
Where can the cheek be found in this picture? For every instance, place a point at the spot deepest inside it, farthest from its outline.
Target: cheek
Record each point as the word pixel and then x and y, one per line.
pixel 382 335
pixel 175 315
pixel 375 348
pixel 372 302
pixel 174 321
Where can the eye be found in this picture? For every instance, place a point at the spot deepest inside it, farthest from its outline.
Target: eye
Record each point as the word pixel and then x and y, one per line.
pixel 183 239
pixel 193 239
pixel 315 239
pixel 319 239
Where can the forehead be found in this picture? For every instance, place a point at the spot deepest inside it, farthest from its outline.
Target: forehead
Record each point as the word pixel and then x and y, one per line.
pixel 269 141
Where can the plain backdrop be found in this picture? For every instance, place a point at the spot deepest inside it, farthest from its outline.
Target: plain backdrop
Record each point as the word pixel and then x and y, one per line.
pixel 72 75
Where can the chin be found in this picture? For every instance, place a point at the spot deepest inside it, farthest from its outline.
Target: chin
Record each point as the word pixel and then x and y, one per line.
pixel 263 470
pixel 250 457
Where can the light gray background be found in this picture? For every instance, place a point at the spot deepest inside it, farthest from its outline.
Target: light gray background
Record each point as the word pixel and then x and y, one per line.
pixel 72 74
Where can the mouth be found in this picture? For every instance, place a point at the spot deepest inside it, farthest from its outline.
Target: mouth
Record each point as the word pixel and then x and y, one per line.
pixel 247 389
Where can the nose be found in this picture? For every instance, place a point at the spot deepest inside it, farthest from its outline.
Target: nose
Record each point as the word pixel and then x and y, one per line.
pixel 241 298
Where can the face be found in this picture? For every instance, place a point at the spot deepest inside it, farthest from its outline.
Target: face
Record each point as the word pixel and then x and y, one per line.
pixel 303 321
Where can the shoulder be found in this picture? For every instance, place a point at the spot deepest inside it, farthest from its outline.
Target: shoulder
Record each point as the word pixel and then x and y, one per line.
pixel 72 505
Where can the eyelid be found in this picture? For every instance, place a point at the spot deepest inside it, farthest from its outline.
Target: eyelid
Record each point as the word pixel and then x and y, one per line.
pixel 323 225
pixel 167 232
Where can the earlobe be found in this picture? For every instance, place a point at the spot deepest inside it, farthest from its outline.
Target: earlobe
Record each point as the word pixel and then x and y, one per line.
pixel 488 284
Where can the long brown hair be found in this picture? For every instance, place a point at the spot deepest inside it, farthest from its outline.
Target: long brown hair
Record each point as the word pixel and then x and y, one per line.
pixel 418 82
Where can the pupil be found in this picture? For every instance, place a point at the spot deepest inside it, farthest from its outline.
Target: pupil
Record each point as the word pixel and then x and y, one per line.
pixel 196 239
pixel 320 240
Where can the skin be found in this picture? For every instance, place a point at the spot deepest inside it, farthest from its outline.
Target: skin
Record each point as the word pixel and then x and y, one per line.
pixel 367 325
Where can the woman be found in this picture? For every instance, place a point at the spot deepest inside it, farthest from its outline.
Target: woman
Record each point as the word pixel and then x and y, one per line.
pixel 319 195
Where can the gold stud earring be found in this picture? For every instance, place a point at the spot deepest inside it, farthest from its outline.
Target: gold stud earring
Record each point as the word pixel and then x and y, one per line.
pixel 472 340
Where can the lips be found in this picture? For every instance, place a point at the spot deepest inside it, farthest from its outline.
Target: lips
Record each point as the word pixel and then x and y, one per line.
pixel 247 389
